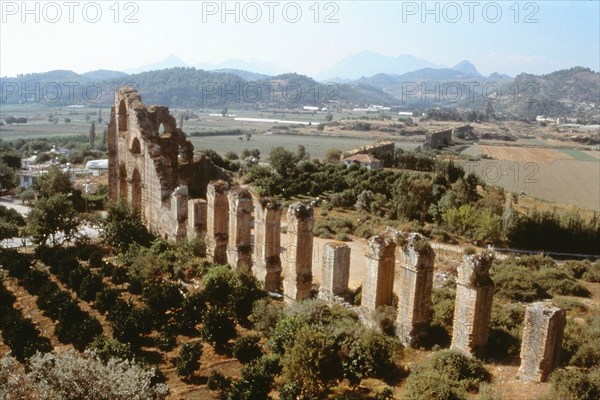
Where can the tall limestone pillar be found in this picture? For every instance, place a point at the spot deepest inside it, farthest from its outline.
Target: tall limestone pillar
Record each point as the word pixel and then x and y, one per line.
pixel 543 330
pixel 336 269
pixel 298 274
pixel 217 224
pixel 380 259
pixel 473 304
pixel 266 265
pixel 414 289
pixel 239 252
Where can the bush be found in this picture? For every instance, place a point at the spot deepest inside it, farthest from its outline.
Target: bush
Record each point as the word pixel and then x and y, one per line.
pixel 247 348
pixel 218 327
pixel 447 375
pixel 257 379
pixel 106 299
pixel 505 330
pixel 188 361
pixel 70 376
pixel 106 348
pixel 371 355
pixel 265 315
pixel 218 382
pixel 517 284
pixel 574 384
pixel 580 343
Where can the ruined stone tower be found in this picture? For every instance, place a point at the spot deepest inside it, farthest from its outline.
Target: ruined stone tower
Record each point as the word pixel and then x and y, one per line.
pixel 473 304
pixel 380 259
pixel 336 269
pixel 414 294
pixel 217 221
pixel 266 265
pixel 239 250
pixel 543 330
pixel 298 274
pixel 152 166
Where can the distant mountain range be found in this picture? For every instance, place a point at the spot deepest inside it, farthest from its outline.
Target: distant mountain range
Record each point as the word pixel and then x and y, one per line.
pixel 571 92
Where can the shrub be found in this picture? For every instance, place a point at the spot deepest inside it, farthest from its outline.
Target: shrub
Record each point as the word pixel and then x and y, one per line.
pixel 555 281
pixel 371 355
pixel 517 284
pixel 106 299
pixel 580 343
pixel 71 376
pixel 189 359
pixel 257 379
pixel 593 275
pixel 34 280
pixel 574 384
pixel 265 315
pixel 247 348
pixel 505 330
pixel 218 327
pixel 218 382
pixel 106 348
pixel 310 360
pixel 447 375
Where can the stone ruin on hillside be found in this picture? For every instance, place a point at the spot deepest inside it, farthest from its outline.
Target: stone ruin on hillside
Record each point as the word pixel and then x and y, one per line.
pixel 180 195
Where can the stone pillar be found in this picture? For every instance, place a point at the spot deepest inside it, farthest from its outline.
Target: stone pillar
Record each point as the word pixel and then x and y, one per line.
pixel 378 285
pixel 414 289
pixel 298 275
pixel 217 224
pixel 543 330
pixel 196 218
pixel 336 269
pixel 239 252
pixel 179 212
pixel 266 265
pixel 473 304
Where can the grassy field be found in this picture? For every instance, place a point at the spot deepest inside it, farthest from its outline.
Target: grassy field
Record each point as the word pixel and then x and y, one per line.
pixel 317 146
pixel 562 180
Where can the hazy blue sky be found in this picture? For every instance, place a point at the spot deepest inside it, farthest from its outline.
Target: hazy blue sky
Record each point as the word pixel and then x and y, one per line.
pixel 566 34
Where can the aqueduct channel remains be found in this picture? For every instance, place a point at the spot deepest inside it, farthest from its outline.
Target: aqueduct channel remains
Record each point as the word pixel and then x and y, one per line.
pixel 179 195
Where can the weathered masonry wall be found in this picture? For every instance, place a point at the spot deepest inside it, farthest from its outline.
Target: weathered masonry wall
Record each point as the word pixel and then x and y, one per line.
pixel 181 195
pixel 152 166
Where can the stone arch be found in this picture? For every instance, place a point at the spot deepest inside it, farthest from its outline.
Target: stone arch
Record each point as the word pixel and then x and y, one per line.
pixel 123 182
pixel 136 190
pixel 161 129
pixel 122 114
pixel 135 147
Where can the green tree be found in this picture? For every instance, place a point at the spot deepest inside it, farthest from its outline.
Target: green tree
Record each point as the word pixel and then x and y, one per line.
pixel 188 360
pixel 53 182
pixel 52 219
pixel 123 227
pixel 283 161
pixel 308 360
pixel 92 134
pixel 7 177
pixel 218 327
pixel 10 222
pixel 333 155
